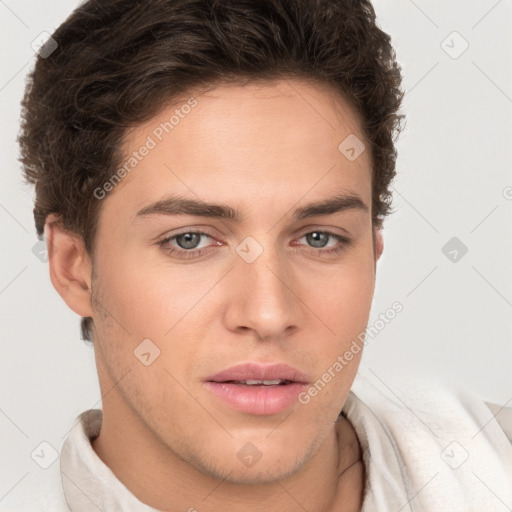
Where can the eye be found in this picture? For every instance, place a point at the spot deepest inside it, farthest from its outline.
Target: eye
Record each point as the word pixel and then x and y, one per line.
pixel 188 244
pixel 193 244
pixel 320 240
pixel 189 240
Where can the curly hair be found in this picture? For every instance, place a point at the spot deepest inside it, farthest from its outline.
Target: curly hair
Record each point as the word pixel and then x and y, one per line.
pixel 118 62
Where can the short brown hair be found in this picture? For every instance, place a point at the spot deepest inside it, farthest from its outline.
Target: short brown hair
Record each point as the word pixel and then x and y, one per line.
pixel 119 61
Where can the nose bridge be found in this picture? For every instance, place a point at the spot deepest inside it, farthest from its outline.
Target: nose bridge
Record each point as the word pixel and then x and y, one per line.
pixel 264 300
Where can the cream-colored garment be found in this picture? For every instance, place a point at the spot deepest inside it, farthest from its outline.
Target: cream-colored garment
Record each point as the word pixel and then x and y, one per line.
pixel 425 449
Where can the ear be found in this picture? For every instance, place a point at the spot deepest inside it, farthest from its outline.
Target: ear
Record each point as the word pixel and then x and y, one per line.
pixel 70 266
pixel 378 243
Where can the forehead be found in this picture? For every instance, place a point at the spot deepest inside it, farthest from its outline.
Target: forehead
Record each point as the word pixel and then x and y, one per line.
pixel 280 137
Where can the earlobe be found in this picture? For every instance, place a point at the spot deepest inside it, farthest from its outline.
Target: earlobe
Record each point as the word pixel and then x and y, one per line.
pixel 70 266
pixel 378 244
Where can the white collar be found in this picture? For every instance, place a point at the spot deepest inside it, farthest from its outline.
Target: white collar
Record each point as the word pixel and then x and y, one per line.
pixel 88 483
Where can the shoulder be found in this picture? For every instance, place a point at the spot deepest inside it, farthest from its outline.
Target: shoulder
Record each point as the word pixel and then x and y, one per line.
pixel 432 441
pixel 40 489
pixel 435 407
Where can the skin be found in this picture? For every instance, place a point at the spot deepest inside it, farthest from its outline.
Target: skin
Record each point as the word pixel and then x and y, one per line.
pixel 265 150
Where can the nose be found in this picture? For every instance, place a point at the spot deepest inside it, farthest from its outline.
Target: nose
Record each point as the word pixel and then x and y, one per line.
pixel 263 297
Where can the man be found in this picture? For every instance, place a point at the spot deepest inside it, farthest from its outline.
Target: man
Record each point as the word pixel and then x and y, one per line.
pixel 212 180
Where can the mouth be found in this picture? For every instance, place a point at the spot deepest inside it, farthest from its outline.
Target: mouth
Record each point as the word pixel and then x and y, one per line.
pixel 257 382
pixel 256 389
pixel 253 374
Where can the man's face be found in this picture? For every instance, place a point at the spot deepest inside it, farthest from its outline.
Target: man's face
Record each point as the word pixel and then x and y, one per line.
pixel 268 287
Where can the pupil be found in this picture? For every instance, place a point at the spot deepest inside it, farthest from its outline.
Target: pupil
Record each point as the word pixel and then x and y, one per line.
pixel 317 239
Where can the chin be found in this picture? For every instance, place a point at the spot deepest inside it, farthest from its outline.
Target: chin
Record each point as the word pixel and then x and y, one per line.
pixel 262 472
pixel 257 462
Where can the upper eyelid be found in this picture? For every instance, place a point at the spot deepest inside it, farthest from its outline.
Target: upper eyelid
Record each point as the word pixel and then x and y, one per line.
pixel 304 229
pixel 175 235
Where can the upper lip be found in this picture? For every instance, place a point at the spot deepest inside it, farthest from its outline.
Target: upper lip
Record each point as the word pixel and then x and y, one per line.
pixel 257 371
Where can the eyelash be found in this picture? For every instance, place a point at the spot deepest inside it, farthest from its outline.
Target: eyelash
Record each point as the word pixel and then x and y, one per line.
pixel 197 253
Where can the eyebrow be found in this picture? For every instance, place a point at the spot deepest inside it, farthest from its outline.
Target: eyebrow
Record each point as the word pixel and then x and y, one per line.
pixel 174 205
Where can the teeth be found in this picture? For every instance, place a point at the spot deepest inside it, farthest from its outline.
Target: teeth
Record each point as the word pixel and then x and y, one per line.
pixel 255 382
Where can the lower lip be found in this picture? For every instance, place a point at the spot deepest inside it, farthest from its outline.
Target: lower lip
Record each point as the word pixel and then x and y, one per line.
pixel 257 399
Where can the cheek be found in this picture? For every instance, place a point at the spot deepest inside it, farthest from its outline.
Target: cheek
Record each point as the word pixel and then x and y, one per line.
pixel 343 304
pixel 147 299
pixel 342 295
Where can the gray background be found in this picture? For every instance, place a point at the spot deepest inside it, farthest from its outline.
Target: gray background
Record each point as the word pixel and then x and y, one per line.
pixel 453 180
